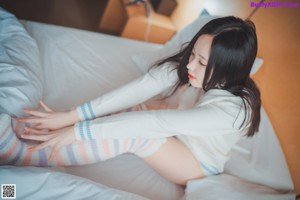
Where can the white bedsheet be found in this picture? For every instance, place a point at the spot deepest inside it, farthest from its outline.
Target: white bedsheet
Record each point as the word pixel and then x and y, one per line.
pixel 80 65
pixel 35 183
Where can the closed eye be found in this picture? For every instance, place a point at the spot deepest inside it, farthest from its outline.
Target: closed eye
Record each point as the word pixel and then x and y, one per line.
pixel 202 64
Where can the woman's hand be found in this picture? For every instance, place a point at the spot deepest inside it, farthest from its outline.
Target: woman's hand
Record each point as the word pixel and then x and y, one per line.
pixel 54 139
pixel 49 119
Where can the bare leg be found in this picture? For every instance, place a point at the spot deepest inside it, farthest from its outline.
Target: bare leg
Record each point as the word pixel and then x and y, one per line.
pixel 175 161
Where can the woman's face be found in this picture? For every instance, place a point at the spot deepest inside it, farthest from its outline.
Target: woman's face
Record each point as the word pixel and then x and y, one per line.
pixel 198 60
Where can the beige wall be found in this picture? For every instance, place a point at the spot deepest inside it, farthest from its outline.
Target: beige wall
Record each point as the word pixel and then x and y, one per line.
pixel 188 10
pixel 279 80
pixel 278 31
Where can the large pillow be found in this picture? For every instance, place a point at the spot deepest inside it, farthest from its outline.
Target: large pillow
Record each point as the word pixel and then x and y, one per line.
pixel 20 70
pixel 144 60
pixel 260 159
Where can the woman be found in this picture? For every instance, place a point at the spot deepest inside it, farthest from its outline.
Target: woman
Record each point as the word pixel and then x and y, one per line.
pixel 190 142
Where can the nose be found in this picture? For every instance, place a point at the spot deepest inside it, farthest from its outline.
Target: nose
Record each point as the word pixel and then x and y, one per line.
pixel 188 66
pixel 191 65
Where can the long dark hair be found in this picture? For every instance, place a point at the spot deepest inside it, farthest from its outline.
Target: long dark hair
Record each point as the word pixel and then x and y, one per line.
pixel 233 51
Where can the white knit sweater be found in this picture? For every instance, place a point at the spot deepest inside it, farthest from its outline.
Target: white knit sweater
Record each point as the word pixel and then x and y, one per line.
pixel 209 127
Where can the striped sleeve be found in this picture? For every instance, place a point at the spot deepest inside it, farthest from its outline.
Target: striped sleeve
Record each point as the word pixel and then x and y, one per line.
pixel 86 112
pixel 218 113
pixel 138 91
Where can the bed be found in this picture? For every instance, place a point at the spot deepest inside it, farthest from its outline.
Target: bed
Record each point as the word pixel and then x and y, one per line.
pixel 58 64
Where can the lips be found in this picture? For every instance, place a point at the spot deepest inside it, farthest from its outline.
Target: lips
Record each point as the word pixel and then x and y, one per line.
pixel 191 76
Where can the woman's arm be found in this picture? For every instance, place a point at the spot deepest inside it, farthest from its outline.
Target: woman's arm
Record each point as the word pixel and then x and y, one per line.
pixel 204 120
pixel 138 91
pixel 135 92
pixel 214 116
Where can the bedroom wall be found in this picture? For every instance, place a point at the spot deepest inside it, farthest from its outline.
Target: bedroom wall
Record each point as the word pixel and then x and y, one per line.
pixel 188 10
pixel 279 80
pixel 278 31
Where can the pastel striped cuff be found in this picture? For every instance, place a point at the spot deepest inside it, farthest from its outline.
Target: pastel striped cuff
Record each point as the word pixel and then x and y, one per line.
pixel 83 131
pixel 86 112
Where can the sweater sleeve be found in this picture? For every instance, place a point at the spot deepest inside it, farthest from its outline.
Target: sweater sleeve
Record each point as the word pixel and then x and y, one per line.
pixel 206 120
pixel 152 83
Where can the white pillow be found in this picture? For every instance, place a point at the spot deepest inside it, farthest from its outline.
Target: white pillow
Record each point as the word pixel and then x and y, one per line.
pixel 144 60
pixel 20 70
pixel 260 159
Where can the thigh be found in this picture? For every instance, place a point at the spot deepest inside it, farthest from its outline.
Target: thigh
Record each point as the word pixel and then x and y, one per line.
pixel 175 162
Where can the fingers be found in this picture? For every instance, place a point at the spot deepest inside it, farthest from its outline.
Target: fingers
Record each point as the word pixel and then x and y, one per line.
pixel 35 113
pixel 29 120
pixel 30 147
pixel 45 107
pixel 37 117
pixel 37 137
pixel 37 126
pixel 54 139
pixel 54 152
pixel 55 149
pixel 40 146
pixel 36 131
